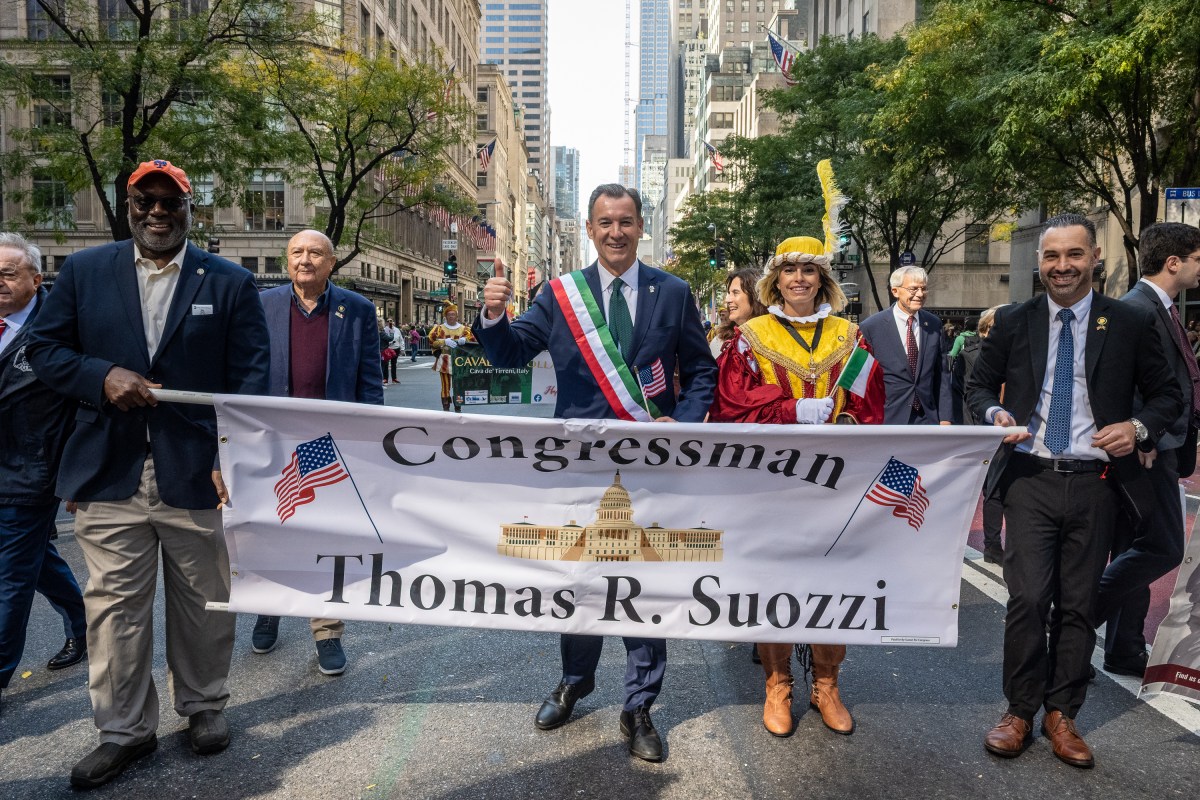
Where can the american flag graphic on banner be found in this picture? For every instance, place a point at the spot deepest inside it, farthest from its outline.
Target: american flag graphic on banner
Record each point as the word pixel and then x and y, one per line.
pixel 899 487
pixel 653 379
pixel 784 57
pixel 313 464
pixel 715 157
pixel 485 155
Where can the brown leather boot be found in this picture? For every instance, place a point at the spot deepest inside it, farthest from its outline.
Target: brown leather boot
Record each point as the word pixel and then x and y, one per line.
pixel 445 404
pixel 777 710
pixel 826 660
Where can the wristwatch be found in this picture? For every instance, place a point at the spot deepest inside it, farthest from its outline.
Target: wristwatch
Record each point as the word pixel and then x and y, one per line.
pixel 1139 430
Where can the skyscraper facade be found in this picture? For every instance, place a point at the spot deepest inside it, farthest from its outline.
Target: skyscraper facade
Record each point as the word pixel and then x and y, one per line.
pixel 654 50
pixel 514 36
pixel 566 182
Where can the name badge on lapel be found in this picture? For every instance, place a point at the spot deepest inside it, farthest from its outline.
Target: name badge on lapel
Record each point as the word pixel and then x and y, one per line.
pixel 201 310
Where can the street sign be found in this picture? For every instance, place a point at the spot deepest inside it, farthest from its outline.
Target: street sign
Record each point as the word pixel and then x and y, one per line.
pixel 908 258
pixel 1181 203
pixel 1192 193
pixel 439 293
pixel 449 244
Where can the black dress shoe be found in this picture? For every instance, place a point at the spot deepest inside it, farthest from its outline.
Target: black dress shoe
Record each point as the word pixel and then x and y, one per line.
pixel 208 732
pixel 74 651
pixel 644 741
pixel 558 706
pixel 108 761
pixel 1133 665
pixel 993 556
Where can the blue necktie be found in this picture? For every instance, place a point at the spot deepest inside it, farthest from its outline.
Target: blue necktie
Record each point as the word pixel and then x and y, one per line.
pixel 1058 421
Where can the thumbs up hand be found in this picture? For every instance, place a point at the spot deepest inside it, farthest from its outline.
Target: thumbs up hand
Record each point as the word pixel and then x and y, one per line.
pixel 496 293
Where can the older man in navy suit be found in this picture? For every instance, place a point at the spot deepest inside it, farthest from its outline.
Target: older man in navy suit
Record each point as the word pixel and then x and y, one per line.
pixel 123 319
pixel 610 329
pixel 908 344
pixel 324 346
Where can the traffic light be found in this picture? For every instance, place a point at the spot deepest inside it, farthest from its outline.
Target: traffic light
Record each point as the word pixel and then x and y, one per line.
pixel 712 257
pixel 843 241
pixel 450 270
pixel 214 245
pixel 720 258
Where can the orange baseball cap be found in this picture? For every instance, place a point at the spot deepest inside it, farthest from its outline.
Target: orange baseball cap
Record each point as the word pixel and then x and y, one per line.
pixel 177 176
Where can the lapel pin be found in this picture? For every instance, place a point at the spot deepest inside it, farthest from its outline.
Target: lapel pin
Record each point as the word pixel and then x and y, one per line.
pixel 651 290
pixel 200 271
pixel 1101 323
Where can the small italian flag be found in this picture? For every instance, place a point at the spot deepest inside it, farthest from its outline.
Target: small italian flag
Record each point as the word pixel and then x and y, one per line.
pixel 856 373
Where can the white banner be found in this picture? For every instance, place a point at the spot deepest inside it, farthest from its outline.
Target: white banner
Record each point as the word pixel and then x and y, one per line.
pixel 1174 665
pixel 827 534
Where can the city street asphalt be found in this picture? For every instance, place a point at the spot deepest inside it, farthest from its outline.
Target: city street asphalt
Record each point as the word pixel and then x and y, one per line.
pixel 429 712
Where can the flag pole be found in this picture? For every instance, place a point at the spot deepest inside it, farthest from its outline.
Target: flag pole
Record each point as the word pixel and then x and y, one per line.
pixel 855 511
pixel 355 485
pixel 637 376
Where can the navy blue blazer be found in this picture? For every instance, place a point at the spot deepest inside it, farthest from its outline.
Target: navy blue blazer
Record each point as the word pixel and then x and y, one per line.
pixel 214 340
pixel 353 371
pixel 932 382
pixel 666 326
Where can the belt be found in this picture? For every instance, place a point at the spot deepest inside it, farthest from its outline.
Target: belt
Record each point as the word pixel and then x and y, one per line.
pixel 1066 464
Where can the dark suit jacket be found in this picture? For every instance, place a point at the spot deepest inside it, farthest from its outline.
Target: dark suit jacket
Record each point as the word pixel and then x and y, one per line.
pixel 1143 296
pixel 1123 356
pixel 34 423
pixel 353 371
pixel 932 382
pixel 666 326
pixel 214 340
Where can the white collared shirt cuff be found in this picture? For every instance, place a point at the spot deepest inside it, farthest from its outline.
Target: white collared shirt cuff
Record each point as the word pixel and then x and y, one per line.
pixel 485 322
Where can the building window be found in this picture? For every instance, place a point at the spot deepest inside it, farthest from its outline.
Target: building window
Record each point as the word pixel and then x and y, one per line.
pixel 40 26
pixel 50 200
pixel 250 263
pixel 202 197
pixel 481 122
pixel 263 203
pixel 976 246
pixel 481 179
pixel 481 94
pixel 117 20
pixel 273 264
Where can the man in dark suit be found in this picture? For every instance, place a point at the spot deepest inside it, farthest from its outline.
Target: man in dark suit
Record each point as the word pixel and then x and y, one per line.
pixel 908 343
pixel 631 318
pixel 1070 362
pixel 34 423
pixel 1146 549
pixel 125 318
pixel 324 346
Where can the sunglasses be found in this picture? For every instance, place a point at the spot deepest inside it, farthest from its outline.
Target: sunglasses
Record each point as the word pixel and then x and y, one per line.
pixel 145 203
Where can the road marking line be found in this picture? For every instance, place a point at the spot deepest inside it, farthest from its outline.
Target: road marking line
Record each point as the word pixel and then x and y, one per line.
pixel 986 578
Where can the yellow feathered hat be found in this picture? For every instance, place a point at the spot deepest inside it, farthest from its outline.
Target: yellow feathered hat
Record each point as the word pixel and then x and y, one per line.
pixel 807 249
pixel 446 309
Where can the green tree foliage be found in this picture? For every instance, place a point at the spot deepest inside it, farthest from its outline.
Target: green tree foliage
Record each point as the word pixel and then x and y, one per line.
pixel 1088 102
pixel 119 82
pixel 370 137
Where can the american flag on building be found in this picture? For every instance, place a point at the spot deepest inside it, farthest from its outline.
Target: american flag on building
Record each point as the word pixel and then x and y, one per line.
pixel 899 488
pixel 715 157
pixel 314 464
pixel 653 379
pixel 485 155
pixel 447 89
pixel 781 51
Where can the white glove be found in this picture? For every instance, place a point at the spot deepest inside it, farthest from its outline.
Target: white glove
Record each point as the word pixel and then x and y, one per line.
pixel 451 343
pixel 814 410
pixel 462 340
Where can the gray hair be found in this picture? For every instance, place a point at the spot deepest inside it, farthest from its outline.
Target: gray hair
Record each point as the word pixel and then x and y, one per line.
pixel 33 256
pixel 916 273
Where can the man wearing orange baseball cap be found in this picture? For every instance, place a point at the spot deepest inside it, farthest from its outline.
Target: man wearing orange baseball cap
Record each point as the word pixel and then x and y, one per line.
pixel 125 318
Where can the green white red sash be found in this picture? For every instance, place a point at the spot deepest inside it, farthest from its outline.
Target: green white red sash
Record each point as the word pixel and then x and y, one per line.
pixel 586 321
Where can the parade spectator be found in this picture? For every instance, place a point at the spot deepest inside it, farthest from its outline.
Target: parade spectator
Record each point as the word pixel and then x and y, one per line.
pixel 958 383
pixel 395 343
pixel 1070 362
pixel 34 423
pixel 445 338
pixel 908 343
pixel 414 341
pixel 1145 550
pixel 633 299
pixel 324 346
pixel 125 318
pixel 993 508
pixel 741 304
pixel 782 368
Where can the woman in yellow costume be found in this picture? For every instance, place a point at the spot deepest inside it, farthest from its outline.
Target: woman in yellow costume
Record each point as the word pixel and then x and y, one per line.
pixel 444 338
pixel 783 368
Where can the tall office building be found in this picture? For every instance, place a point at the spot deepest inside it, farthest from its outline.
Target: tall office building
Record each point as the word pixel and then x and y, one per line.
pixel 566 182
pixel 654 50
pixel 514 36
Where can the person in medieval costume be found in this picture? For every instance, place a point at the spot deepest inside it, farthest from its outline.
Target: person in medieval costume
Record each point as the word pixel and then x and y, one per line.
pixel 444 338
pixel 793 365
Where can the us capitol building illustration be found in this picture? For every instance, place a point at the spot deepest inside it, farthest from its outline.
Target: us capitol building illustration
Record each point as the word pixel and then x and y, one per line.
pixel 613 536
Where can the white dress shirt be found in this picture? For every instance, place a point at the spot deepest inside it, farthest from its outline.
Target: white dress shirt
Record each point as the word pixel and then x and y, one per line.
pixel 13 323
pixel 630 290
pixel 156 288
pixel 902 326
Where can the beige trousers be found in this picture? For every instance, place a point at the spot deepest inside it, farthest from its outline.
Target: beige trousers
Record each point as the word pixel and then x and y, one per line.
pixel 326 628
pixel 121 542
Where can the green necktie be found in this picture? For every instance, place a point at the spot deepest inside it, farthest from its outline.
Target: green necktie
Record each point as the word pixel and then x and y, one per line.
pixel 618 317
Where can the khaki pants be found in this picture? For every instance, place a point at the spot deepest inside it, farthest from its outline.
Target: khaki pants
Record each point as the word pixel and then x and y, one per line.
pixel 326 628
pixel 121 542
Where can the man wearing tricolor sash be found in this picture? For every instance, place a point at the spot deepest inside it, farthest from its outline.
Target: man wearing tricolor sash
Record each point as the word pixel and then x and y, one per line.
pixel 617 333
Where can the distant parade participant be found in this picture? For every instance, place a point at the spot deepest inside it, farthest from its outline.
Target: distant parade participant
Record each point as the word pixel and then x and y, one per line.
pixel 444 338
pixel 741 304
pixel 783 368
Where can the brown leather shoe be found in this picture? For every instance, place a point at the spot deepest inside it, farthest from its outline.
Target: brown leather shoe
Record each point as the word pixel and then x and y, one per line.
pixel 1068 745
pixel 1010 737
pixel 777 709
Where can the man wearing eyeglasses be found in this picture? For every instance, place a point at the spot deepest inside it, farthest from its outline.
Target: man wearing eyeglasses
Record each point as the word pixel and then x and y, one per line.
pixel 908 344
pixel 123 319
